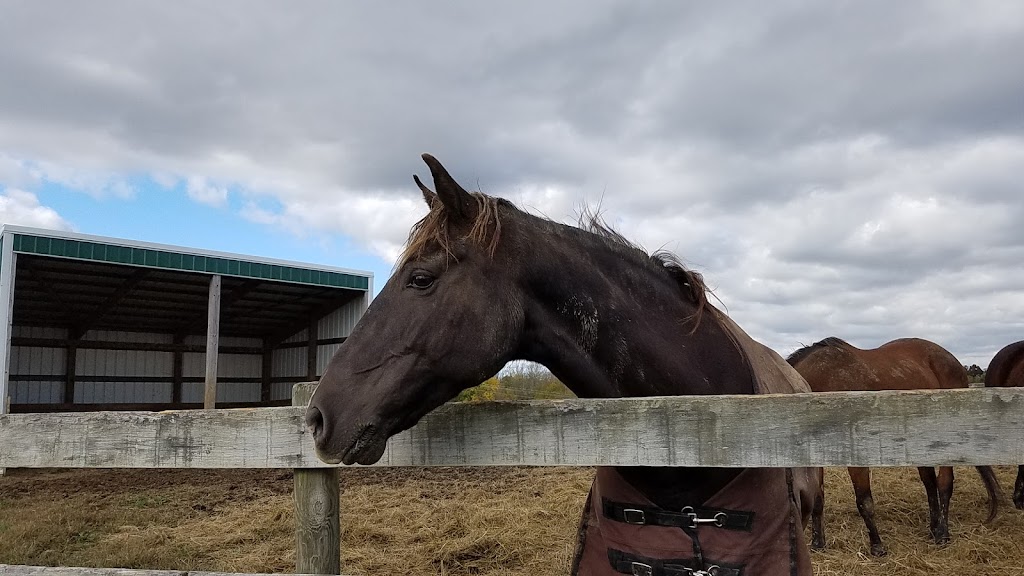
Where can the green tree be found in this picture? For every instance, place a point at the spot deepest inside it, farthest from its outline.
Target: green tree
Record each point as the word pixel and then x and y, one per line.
pixel 487 391
pixel 975 373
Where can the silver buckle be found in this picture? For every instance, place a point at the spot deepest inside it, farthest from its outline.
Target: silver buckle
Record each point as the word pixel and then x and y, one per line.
pixel 634 516
pixel 641 569
pixel 718 519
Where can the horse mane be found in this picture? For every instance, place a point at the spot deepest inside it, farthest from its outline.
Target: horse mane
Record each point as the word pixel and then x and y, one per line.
pixel 690 282
pixel 433 228
pixel 802 353
pixel 485 230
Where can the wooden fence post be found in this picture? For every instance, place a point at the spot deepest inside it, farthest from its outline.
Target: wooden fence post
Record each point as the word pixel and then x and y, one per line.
pixel 317 521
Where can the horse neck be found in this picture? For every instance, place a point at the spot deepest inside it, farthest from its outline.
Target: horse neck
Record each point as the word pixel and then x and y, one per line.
pixel 609 323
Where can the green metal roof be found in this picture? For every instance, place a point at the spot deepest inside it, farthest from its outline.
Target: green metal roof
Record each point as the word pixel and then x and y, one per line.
pixel 115 251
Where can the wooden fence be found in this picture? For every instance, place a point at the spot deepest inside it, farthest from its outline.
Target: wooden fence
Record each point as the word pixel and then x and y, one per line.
pixel 973 427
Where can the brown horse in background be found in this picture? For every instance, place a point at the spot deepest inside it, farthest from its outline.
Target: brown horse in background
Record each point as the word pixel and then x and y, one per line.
pixel 1007 370
pixel 833 365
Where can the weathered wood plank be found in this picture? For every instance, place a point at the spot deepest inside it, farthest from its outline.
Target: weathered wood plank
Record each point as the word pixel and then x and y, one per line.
pixel 17 570
pixel 212 343
pixel 890 428
pixel 317 505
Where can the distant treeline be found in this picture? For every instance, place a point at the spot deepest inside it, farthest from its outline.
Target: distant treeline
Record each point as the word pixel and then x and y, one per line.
pixel 975 373
pixel 520 381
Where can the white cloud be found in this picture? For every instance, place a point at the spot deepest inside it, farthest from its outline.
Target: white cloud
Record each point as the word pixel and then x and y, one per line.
pixel 23 209
pixel 200 190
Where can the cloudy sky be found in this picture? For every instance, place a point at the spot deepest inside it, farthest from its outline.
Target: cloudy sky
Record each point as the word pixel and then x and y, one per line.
pixel 847 168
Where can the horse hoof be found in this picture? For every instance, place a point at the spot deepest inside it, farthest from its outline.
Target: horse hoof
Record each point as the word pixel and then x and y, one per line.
pixel 877 550
pixel 942 539
pixel 818 544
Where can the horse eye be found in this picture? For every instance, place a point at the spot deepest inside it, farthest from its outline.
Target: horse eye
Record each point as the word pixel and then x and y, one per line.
pixel 422 281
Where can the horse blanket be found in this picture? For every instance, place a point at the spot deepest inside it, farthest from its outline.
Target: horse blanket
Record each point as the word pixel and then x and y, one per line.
pixel 754 526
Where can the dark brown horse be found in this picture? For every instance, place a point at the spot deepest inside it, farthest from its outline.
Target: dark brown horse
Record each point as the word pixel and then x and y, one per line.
pixel 482 283
pixel 833 365
pixel 1007 370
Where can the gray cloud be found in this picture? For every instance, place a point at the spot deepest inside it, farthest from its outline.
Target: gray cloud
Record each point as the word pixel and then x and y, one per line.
pixel 847 170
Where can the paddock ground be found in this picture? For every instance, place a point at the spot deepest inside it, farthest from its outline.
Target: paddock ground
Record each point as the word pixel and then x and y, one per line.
pixel 450 521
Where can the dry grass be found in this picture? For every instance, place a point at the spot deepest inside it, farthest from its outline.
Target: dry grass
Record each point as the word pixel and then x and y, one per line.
pixel 449 521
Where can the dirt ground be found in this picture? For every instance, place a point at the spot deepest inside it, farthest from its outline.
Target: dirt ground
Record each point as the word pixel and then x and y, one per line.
pixel 445 521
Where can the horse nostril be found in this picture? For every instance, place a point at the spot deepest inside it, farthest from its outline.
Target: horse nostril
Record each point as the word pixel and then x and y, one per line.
pixel 314 421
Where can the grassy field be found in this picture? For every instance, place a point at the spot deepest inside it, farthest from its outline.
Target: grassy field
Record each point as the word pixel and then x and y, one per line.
pixel 484 521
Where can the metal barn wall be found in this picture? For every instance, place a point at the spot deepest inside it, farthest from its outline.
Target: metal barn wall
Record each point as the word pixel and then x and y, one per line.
pixel 33 362
pixel 92 365
pixel 30 366
pixel 291 362
pixel 193 364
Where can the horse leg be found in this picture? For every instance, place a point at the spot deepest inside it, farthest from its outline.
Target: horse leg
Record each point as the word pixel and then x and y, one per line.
pixel 817 511
pixel 945 494
pixel 861 478
pixel 1018 489
pixel 931 488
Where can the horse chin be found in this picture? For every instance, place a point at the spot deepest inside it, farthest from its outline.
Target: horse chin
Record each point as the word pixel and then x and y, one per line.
pixel 371 454
pixel 367 449
pixel 327 458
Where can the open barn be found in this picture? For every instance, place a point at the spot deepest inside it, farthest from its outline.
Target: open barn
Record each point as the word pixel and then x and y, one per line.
pixel 96 323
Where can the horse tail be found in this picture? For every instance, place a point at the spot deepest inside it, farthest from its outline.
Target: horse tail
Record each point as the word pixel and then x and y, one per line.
pixel 995 493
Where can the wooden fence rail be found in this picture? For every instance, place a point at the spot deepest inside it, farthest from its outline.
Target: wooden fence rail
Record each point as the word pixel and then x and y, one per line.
pixel 892 428
pixel 975 426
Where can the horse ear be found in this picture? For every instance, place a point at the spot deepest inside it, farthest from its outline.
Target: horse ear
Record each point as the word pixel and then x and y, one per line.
pixel 428 194
pixel 456 200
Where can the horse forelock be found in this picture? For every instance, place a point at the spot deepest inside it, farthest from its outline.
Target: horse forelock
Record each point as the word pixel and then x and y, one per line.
pixel 434 229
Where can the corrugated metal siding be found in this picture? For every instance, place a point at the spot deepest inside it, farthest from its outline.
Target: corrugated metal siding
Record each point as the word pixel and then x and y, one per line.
pixel 128 363
pixel 113 336
pixel 122 392
pixel 283 390
pixel 226 391
pixel 36 392
pixel 38 332
pixel 193 364
pixel 341 322
pixel 37 361
pixel 26 361
pixel 324 353
pixel 200 340
pixel 123 363
pixel 291 362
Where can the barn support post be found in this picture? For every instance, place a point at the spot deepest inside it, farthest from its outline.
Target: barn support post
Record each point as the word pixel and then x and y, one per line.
pixel 177 368
pixel 317 505
pixel 312 345
pixel 212 343
pixel 70 364
pixel 8 261
pixel 267 372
